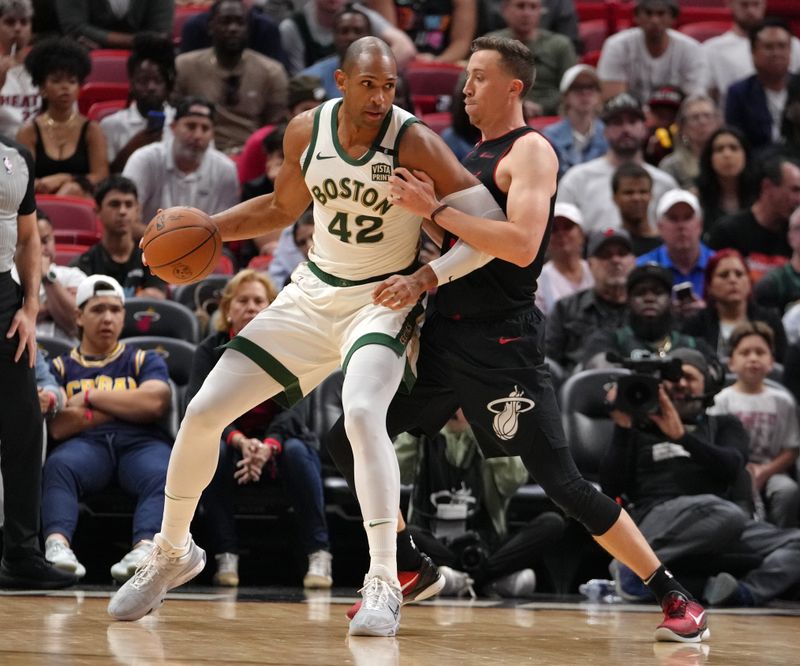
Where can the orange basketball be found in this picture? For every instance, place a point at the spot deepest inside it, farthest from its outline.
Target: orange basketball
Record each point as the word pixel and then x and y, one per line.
pixel 182 245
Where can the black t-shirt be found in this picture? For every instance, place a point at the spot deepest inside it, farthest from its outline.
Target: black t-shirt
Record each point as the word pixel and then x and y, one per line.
pixel 763 249
pixel 132 274
pixel 779 288
pixel 644 244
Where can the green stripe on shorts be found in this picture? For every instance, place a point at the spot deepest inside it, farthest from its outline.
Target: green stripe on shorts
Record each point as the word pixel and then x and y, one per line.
pixel 269 364
pixel 334 281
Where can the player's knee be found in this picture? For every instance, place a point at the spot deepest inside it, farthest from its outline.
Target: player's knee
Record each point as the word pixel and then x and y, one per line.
pixel 202 417
pixel 360 422
pixel 580 500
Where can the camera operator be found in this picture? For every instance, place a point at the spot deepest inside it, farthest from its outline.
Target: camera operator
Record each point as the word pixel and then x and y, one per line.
pixel 649 328
pixel 679 469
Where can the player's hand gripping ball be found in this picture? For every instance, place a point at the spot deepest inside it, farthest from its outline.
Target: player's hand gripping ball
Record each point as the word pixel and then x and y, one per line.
pixel 182 245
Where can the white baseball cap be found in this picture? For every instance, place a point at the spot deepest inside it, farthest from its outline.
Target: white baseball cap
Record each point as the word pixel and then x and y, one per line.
pixel 98 285
pixel 672 197
pixel 569 211
pixel 568 78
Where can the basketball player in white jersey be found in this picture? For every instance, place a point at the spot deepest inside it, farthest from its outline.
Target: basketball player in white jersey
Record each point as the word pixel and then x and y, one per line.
pixel 338 157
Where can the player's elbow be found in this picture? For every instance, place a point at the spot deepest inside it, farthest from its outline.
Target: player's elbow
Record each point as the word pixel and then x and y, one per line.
pixel 523 256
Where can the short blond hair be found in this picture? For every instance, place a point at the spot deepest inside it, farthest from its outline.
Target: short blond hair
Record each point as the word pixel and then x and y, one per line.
pixel 244 275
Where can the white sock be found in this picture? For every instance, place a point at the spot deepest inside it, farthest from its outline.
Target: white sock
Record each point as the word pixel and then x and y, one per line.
pixel 382 538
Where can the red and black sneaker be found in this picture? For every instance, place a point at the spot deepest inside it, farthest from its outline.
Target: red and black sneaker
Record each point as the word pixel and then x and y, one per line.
pixel 684 620
pixel 418 585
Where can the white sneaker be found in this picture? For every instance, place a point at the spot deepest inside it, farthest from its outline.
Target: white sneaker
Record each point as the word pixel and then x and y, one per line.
pixel 379 614
pixel 319 575
pixel 518 585
pixel 227 574
pixel 456 583
pixel 126 567
pixel 160 571
pixel 60 555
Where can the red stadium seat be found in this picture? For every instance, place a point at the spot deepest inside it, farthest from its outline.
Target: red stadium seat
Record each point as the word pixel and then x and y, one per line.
pixel 67 253
pixel 71 214
pixel 100 110
pixel 424 104
pixel 591 58
pixel 540 122
pixel 439 121
pixel 225 266
pixel 92 93
pixel 109 66
pixel 593 33
pixel 699 14
pixel 704 30
pixel 182 14
pixel 75 237
pixel 261 262
pixel 432 78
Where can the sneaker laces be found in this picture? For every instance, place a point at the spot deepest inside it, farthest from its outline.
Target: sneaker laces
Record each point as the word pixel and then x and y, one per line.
pixel 375 593
pixel 147 569
pixel 676 607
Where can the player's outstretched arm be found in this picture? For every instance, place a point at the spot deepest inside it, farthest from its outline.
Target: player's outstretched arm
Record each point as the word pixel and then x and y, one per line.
pixel 529 170
pixel 290 198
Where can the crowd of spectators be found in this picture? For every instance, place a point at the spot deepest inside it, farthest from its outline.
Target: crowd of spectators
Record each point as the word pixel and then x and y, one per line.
pixel 676 227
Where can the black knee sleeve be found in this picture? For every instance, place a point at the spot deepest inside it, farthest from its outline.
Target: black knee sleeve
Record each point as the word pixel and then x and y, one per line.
pixel 580 500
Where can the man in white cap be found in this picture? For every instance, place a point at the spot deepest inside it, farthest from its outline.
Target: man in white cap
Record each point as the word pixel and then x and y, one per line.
pixel 108 429
pixel 567 271
pixel 680 223
pixel 579 137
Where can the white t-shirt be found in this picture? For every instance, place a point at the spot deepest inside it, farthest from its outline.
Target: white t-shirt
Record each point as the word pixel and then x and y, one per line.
pixel 553 285
pixel 120 126
pixel 19 101
pixel 588 186
pixel 212 188
pixel 769 417
pixel 625 58
pixel 730 59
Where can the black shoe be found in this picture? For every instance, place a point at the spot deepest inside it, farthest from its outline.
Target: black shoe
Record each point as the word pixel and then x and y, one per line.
pixel 33 573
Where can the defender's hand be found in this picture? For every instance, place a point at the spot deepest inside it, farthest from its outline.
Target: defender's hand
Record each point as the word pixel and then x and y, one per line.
pixel 397 292
pixel 413 191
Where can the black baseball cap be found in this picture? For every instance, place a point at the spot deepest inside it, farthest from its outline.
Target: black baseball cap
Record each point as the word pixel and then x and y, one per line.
pixel 650 270
pixel 598 239
pixel 195 106
pixel 619 104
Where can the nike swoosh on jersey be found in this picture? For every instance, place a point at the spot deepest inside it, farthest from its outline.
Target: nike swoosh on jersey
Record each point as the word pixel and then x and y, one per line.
pixel 320 156
pixel 505 341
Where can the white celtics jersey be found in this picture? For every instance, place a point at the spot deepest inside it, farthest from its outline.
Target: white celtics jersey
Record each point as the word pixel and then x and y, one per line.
pixel 358 233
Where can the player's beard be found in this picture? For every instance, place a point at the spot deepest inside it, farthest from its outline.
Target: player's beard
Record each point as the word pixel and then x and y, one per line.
pixel 651 329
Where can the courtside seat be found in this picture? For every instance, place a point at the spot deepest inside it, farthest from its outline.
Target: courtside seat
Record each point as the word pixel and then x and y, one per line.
pixel 52 347
pixel 152 316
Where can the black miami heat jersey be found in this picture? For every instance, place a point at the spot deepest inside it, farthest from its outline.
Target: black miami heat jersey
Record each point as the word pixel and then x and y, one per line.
pixel 499 287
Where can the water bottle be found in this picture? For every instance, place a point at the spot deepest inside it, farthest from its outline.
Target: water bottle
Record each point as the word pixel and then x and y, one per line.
pixel 598 589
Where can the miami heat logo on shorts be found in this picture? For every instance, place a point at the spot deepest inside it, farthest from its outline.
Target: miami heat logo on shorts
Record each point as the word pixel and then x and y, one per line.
pixel 506 411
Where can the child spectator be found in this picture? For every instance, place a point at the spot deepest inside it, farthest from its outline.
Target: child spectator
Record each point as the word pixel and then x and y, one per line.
pixel 769 415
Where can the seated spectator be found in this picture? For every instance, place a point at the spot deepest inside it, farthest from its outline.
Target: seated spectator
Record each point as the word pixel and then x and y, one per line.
pixel 552 53
pixel 756 104
pixel 650 329
pixel 151 71
pixel 668 484
pixel 680 223
pixel 574 318
pixel 108 430
pixel 566 272
pixel 69 149
pixel 113 25
pixel 272 145
pixel 503 557
pixel 728 291
pixel 247 89
pixel 780 287
pixel 579 137
pixel 632 187
pixel 461 136
pixel 728 55
pixel 725 181
pixel 697 120
pixel 349 24
pixel 262 442
pixel 117 254
pixel 186 171
pixel 759 232
pixel 292 249
pixel 639 60
pixel 262 33
pixel 19 97
pixel 588 185
pixel 307 35
pixel 769 415
pixel 440 31
pixel 661 114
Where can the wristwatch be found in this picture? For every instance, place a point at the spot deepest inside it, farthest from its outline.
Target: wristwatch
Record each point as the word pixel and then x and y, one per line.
pixel 50 277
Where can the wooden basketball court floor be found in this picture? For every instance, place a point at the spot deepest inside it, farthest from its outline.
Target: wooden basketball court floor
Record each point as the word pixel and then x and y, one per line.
pixel 259 626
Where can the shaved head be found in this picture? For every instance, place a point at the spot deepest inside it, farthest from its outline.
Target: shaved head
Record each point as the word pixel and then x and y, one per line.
pixel 366 46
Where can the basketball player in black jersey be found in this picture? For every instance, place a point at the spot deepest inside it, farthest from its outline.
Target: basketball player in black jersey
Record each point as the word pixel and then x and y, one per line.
pixel 482 346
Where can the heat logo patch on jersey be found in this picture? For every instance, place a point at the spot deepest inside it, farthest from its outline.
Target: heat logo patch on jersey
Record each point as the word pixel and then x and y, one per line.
pixel 381 172
pixel 507 411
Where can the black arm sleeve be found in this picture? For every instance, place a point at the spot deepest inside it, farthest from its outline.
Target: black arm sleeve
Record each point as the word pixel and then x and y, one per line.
pixel 725 455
